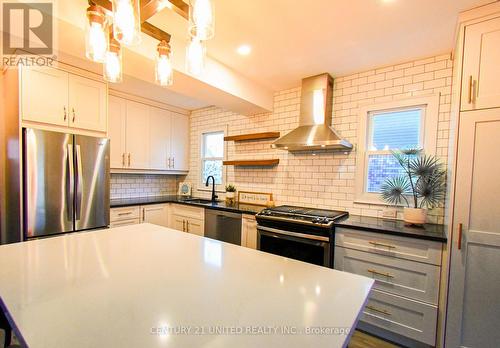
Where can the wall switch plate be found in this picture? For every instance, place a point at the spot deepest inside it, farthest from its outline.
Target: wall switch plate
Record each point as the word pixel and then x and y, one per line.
pixel 390 213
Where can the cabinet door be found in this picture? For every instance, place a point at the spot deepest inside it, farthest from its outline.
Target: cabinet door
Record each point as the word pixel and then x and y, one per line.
pixel 159 139
pixel 44 96
pixel 155 214
pixel 117 126
pixel 481 68
pixel 180 142
pixel 179 223
pixel 473 308
pixel 124 223
pixel 195 226
pixel 137 135
pixel 87 103
pixel 249 232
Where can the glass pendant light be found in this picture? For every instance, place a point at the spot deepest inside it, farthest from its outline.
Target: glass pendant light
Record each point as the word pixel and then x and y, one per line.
pixel 195 56
pixel 127 21
pixel 96 42
pixel 112 68
pixel 202 19
pixel 163 67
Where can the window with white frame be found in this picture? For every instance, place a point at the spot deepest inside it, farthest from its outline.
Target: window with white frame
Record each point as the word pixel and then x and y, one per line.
pixel 212 155
pixel 386 127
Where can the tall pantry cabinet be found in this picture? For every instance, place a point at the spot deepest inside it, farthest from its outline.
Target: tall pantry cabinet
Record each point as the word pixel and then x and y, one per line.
pixel 474 283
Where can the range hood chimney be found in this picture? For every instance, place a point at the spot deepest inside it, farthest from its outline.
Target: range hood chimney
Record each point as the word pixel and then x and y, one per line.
pixel 314 131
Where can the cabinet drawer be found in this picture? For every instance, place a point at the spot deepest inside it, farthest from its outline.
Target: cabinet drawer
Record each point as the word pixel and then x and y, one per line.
pixel 415 280
pixel 388 245
pixel 189 211
pixel 125 222
pixel 406 317
pixel 126 213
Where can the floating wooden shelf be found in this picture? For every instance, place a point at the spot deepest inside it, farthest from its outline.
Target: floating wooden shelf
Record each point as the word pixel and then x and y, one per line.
pixel 254 136
pixel 255 163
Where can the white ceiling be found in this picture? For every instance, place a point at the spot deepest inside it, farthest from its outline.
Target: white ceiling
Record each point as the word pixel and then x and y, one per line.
pixel 292 39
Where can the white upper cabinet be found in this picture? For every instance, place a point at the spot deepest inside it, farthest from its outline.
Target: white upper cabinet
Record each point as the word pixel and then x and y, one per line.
pixel 58 98
pixel 87 104
pixel 44 96
pixel 180 142
pixel 137 135
pixel 481 68
pixel 147 138
pixel 159 139
pixel 117 131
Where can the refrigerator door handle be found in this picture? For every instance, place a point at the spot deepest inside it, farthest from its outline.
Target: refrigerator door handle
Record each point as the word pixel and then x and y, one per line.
pixel 70 181
pixel 79 183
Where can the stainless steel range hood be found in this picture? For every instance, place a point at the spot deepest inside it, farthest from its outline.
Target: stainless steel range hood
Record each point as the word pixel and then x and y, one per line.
pixel 314 131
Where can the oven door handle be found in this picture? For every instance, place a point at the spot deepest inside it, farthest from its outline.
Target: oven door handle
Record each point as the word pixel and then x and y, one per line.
pixel 294 234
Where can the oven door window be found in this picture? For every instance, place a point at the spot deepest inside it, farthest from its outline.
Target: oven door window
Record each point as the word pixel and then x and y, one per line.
pixel 311 251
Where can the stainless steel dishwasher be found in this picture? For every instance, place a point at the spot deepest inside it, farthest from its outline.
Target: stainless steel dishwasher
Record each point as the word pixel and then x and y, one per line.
pixel 223 225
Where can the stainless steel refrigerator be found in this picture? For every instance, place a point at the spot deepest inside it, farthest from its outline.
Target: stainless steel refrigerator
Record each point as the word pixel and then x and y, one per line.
pixel 65 181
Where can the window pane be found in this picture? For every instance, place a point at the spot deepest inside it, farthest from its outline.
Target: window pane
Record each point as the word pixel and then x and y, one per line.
pixel 381 167
pixel 214 144
pixel 212 168
pixel 395 130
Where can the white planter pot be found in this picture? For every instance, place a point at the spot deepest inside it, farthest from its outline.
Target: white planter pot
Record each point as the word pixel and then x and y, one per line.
pixel 229 194
pixel 416 216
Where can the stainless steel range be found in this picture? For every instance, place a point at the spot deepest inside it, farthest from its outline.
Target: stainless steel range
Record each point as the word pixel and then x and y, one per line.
pixel 304 234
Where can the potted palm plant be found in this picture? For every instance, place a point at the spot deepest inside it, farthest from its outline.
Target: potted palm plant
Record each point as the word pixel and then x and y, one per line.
pixel 230 194
pixel 421 186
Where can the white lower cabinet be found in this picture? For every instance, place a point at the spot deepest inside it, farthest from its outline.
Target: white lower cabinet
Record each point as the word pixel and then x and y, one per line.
pixel 124 216
pixel 401 277
pixel 188 219
pixel 154 214
pixel 403 316
pixel 249 231
pixel 404 299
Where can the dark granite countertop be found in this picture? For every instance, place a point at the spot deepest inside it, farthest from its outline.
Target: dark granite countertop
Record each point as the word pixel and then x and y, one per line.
pixel 370 224
pixel 221 205
pixel 394 227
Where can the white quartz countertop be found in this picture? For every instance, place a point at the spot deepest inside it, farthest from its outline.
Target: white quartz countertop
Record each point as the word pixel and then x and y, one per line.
pixel 150 286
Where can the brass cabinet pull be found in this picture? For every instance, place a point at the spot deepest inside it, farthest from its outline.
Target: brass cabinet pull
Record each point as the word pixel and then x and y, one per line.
pixel 388 275
pixel 65 113
pixel 187 225
pixel 183 225
pixel 127 213
pixel 143 214
pixel 173 162
pixel 383 311
pixel 382 244
pixel 123 159
pixel 459 241
pixel 129 159
pixel 168 162
pixel 74 115
pixel 471 85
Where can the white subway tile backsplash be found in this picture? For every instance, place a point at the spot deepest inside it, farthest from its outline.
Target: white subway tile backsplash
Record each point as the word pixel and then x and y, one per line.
pixel 326 179
pixel 139 185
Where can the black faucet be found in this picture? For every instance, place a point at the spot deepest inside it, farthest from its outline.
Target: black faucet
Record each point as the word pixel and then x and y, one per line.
pixel 214 196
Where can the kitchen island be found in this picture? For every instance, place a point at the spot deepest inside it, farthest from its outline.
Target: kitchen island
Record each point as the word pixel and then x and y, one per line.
pixel 150 286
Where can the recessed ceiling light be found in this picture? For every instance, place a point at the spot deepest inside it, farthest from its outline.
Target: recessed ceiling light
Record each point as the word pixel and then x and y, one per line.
pixel 244 50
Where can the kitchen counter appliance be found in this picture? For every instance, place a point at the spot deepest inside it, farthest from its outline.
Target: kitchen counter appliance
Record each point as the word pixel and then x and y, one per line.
pixel 223 226
pixel 299 233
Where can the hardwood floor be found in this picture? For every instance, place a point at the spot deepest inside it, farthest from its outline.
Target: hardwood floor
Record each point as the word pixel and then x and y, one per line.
pixel 362 340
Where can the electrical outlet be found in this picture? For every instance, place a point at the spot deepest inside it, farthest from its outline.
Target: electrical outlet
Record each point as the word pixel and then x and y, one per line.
pixel 390 213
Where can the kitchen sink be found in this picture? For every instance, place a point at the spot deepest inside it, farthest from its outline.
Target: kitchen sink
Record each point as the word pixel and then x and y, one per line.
pixel 200 201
